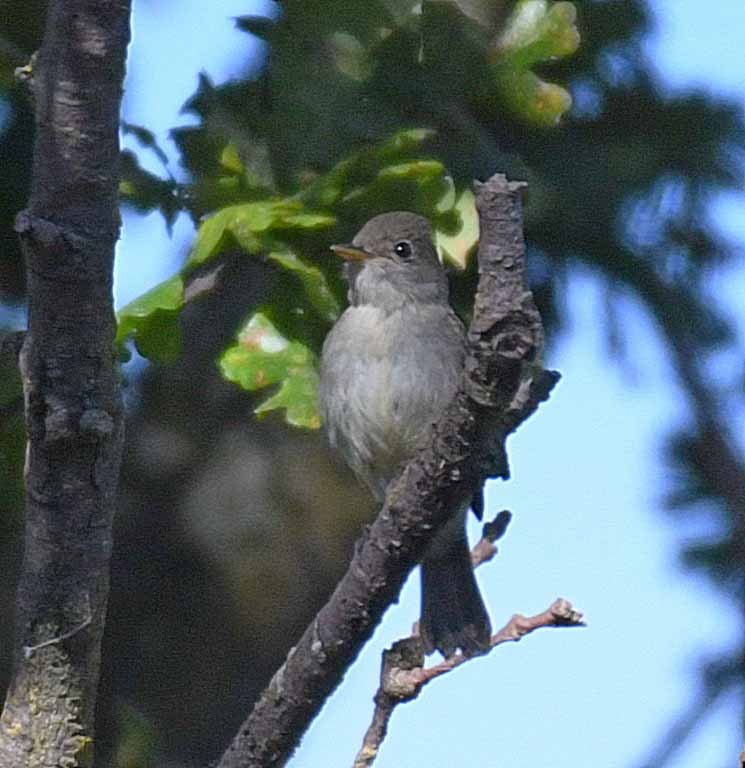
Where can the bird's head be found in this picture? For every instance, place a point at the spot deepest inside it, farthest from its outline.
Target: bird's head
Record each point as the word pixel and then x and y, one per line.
pixel 392 260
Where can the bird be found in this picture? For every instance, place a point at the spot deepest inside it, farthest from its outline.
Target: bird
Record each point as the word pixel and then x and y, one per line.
pixel 389 367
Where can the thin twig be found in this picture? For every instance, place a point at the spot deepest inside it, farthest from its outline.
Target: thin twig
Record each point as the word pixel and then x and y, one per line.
pixel 403 675
pixel 485 548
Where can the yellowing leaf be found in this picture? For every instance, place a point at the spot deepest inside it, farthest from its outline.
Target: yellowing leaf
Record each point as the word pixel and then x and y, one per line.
pixel 537 31
pixel 230 160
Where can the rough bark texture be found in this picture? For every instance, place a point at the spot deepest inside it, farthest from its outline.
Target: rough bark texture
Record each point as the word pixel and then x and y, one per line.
pixel 501 388
pixel 71 387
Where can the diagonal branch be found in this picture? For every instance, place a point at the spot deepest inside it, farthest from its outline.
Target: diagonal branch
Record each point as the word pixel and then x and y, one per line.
pixel 501 387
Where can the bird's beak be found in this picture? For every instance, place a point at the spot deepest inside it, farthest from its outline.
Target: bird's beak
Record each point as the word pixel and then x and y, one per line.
pixel 350 252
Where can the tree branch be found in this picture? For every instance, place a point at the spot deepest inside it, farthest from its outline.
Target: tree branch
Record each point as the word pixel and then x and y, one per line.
pixel 404 675
pixel 500 389
pixel 71 387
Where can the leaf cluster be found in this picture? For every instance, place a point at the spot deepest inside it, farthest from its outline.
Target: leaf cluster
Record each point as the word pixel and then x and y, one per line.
pixel 268 180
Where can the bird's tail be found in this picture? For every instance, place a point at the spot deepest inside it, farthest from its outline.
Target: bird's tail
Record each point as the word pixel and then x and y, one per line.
pixel 453 611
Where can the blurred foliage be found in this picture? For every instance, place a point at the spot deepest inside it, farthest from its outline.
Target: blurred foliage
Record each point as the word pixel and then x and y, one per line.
pixel 535 32
pixel 21 26
pixel 361 107
pixel 137 743
pixel 276 202
pixel 279 230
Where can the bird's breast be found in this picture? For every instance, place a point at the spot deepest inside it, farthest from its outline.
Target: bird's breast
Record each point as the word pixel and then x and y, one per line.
pixel 385 377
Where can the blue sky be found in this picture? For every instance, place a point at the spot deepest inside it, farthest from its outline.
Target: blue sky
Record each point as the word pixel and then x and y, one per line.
pixel 586 474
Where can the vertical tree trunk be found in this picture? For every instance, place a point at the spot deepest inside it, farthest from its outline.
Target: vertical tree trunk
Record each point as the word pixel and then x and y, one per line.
pixel 73 406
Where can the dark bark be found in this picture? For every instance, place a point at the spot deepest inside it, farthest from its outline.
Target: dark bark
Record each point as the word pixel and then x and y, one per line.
pixel 501 388
pixel 71 386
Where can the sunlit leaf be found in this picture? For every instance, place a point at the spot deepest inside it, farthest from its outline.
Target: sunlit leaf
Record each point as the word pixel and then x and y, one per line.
pixel 247 223
pixel 537 31
pixel 455 248
pixel 534 99
pixel 421 170
pixel 263 215
pixel 327 189
pixel 401 143
pixel 310 221
pixel 263 357
pixel 152 321
pixel 230 160
pixel 363 166
pixel 422 186
pixel 211 236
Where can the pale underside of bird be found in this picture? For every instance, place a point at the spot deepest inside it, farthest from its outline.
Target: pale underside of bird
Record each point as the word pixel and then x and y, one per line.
pixel 390 366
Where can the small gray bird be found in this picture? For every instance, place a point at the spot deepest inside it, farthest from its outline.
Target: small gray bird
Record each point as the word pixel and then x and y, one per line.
pixel 390 366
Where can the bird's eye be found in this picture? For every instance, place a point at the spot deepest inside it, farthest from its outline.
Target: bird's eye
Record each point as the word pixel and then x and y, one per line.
pixel 402 249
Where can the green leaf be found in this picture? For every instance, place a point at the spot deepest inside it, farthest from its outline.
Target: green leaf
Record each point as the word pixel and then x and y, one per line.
pixel 298 395
pixel 420 170
pixel 434 186
pixel 314 283
pixel 326 190
pixel 152 321
pixel 230 160
pixel 456 247
pixel 421 185
pixel 537 31
pixel 363 166
pixel 261 357
pixel 534 99
pixel 211 236
pixel 248 223
pixel 310 221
